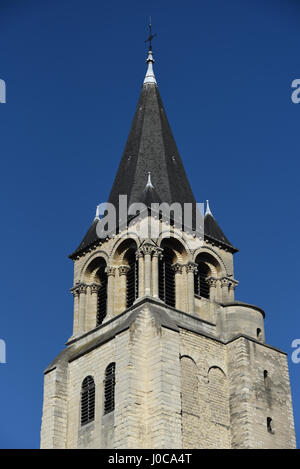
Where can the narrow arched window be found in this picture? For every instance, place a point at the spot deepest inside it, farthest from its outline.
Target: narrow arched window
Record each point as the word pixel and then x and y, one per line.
pixel 131 278
pixel 201 285
pixel 266 380
pixel 109 388
pixel 167 277
pixel 87 400
pixel 270 427
pixel 102 295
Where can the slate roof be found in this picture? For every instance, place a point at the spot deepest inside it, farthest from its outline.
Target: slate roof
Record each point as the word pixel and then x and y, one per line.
pixel 212 229
pixel 151 148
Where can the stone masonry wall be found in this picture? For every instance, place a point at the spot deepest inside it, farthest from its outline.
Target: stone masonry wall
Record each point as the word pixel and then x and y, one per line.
pixel 205 403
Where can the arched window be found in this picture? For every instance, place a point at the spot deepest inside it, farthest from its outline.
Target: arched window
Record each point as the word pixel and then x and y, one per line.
pixel 266 380
pixel 132 278
pixel 201 284
pixel 167 277
pixel 87 400
pixel 109 388
pixel 102 295
pixel 270 427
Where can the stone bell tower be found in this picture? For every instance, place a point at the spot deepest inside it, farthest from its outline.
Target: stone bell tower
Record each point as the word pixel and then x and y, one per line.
pixel 162 355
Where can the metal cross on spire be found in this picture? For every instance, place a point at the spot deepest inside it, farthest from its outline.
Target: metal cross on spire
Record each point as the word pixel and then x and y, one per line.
pixel 151 36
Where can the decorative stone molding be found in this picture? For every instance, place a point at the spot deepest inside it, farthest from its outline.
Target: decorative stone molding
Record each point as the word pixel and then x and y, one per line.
pixel 157 252
pixel 178 268
pixel 82 288
pixel 111 271
pixel 94 287
pixel 212 282
pixel 123 269
pixel 139 253
pixel 233 283
pixel 224 282
pixel 191 267
pixel 147 248
pixel 75 291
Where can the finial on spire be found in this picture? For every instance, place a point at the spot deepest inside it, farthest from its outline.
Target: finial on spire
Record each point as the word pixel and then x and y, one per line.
pixel 150 77
pixel 149 183
pixel 208 211
pixel 97 212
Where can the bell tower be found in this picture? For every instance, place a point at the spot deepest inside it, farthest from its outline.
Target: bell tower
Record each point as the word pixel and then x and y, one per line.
pixel 162 355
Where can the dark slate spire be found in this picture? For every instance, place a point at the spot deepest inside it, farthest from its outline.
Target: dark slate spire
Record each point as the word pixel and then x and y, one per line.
pixel 212 229
pixel 151 148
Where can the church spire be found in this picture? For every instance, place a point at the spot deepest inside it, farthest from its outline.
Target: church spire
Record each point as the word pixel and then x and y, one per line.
pixel 151 147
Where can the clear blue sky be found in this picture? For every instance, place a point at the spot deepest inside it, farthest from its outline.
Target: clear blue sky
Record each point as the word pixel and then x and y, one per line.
pixel 73 71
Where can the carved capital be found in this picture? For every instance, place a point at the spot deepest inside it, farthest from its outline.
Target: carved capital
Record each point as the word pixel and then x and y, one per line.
pixel 224 282
pixel 157 252
pixel 111 271
pixel 147 248
pixel 178 268
pixel 212 282
pixel 82 288
pixel 75 291
pixel 191 267
pixel 233 284
pixel 94 287
pixel 123 269
pixel 139 253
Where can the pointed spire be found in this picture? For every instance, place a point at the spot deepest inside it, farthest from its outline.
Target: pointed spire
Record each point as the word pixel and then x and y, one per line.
pixel 150 77
pixel 149 184
pixel 208 211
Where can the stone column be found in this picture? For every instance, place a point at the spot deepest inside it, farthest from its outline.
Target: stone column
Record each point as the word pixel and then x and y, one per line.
pixel 184 289
pixel 91 320
pixel 212 282
pixel 232 286
pixel 140 258
pixel 110 291
pixel 121 303
pixel 179 300
pixel 224 287
pixel 82 307
pixel 191 269
pixel 157 253
pixel 75 293
pixel 147 249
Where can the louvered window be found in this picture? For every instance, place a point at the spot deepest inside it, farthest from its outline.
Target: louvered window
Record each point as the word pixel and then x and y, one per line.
pixel 167 278
pixel 102 296
pixel 132 279
pixel 109 388
pixel 87 400
pixel 201 284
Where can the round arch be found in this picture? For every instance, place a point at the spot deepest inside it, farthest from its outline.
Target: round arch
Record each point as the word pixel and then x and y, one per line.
pixel 213 260
pixel 216 368
pixel 92 265
pixel 121 249
pixel 178 247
